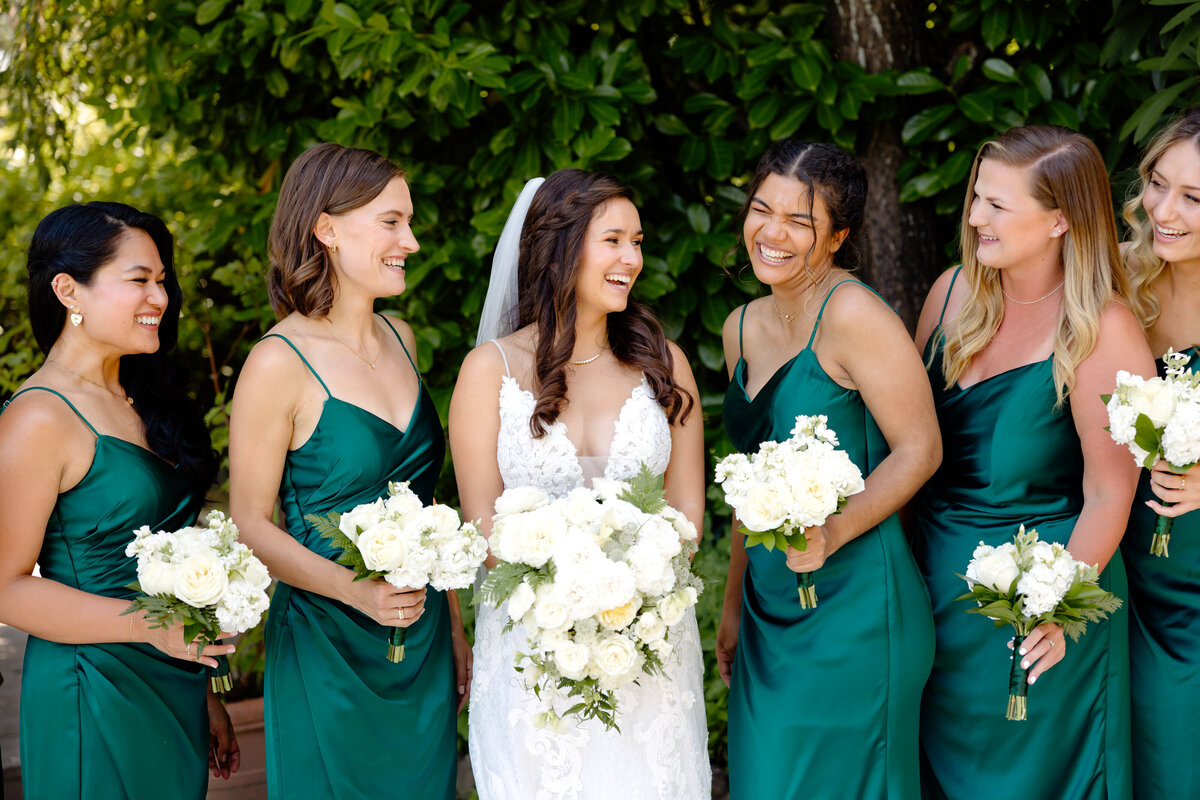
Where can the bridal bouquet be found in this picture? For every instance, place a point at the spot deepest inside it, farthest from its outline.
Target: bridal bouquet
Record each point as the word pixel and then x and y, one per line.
pixel 788 486
pixel 202 577
pixel 1158 418
pixel 1026 582
pixel 407 544
pixel 596 578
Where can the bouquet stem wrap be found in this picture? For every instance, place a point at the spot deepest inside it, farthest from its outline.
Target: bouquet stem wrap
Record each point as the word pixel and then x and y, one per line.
pixel 1162 535
pixel 807 590
pixel 395 652
pixel 219 677
pixel 1018 684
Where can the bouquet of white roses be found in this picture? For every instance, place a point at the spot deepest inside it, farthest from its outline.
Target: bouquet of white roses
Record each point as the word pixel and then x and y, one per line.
pixel 788 486
pixel 202 577
pixel 1026 582
pixel 407 544
pixel 596 578
pixel 1158 418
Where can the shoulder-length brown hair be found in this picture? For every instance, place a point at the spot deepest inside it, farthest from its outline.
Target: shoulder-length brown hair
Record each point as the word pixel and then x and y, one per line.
pixel 547 270
pixel 326 178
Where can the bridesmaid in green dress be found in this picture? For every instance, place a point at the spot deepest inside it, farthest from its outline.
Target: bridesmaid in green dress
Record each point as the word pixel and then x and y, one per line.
pixel 1163 262
pixel 98 442
pixel 1022 340
pixel 824 703
pixel 329 408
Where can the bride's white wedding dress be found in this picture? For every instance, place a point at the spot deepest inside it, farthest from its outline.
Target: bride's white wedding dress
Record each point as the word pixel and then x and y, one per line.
pixel 661 751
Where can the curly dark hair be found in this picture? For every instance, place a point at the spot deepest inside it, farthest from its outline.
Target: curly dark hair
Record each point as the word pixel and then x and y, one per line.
pixel 78 240
pixel 547 270
pixel 828 171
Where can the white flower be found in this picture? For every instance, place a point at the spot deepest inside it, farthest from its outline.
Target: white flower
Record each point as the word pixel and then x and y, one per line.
pixel 814 499
pixel 360 518
pixel 765 507
pixel 201 580
pixel 1155 398
pixel 520 601
pixel 382 546
pixel 520 499
pixel 683 526
pixel 995 568
pixel 620 616
pixel 672 607
pixel 616 657
pixel 572 660
pixel 530 538
pixel 549 609
pixel 156 576
pixel 401 502
pixel 1181 437
pixel 242 607
pixel 607 488
pixel 649 627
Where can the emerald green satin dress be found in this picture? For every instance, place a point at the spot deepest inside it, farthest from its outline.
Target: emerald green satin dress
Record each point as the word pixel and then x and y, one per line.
pixel 1008 457
pixel 824 703
pixel 112 720
pixel 341 720
pixel 1164 650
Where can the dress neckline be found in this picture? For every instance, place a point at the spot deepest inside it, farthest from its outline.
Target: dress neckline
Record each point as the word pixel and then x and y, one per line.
pixel 401 433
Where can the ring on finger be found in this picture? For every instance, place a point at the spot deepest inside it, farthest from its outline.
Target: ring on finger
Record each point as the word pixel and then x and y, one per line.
pixel 1050 642
pixel 188 649
pixel 401 611
pixel 1182 482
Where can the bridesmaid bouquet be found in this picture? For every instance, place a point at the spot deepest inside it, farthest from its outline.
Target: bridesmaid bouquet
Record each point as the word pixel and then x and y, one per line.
pixel 596 578
pixel 1158 418
pixel 405 543
pixel 202 577
pixel 1026 582
pixel 788 486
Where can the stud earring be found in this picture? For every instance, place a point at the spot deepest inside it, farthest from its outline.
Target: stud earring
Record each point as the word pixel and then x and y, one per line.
pixel 76 316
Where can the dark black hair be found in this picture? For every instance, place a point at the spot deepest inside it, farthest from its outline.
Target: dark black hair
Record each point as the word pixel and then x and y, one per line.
pixel 828 171
pixel 79 239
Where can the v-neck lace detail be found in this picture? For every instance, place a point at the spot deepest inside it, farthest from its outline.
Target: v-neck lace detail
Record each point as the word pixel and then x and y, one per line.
pixel 641 435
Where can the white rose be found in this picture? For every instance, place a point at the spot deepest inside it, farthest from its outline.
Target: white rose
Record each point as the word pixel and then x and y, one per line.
pixel 250 569
pixel 620 616
pixel 201 580
pixel 1155 398
pixel 995 569
pixel 671 607
pixel 520 499
pixel 520 600
pixel 156 577
pixel 382 547
pixel 765 508
pixel 572 660
pixel 549 610
pixel 188 542
pixel 616 656
pixel 649 627
pixel 360 518
pixel 815 499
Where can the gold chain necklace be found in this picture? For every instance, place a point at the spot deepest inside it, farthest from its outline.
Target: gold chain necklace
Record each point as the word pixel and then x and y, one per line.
pixel 787 318
pixel 369 362
pixel 124 397
pixel 1032 302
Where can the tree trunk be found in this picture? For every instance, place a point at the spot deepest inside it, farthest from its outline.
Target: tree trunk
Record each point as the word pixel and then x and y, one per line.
pixel 901 256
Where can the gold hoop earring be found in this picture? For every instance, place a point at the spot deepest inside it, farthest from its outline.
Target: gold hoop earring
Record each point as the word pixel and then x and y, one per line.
pixel 76 316
pixel 332 249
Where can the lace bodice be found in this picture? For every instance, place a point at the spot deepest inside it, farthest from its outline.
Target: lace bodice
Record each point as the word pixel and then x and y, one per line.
pixel 641 435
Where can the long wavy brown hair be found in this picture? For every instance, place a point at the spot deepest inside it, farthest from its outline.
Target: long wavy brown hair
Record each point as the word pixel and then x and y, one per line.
pixel 327 178
pixel 547 271
pixel 1141 264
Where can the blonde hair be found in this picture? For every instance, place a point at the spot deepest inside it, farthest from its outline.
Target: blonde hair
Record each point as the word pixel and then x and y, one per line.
pixel 1066 173
pixel 1141 264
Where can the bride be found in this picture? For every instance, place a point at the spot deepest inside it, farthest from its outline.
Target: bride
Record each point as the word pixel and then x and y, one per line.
pixel 586 385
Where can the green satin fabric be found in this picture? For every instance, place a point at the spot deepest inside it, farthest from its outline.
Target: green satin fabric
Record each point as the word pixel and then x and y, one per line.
pixel 1164 651
pixel 824 703
pixel 112 720
pixel 341 720
pixel 1010 458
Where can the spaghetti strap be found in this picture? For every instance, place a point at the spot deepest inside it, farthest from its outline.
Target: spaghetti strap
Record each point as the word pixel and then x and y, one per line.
pixel 507 373
pixel 946 302
pixel 812 336
pixel 401 341
pixel 741 322
pixel 62 396
pixel 302 358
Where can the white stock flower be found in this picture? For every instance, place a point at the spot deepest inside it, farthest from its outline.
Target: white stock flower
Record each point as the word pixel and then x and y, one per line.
pixel 241 607
pixel 201 580
pixel 520 499
pixel 684 529
pixel 252 570
pixel 401 503
pixel 1181 437
pixel 1122 420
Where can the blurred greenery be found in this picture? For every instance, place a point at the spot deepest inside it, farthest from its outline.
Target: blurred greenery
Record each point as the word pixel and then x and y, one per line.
pixel 195 110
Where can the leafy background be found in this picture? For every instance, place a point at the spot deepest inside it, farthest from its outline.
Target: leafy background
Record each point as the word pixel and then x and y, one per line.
pixel 195 110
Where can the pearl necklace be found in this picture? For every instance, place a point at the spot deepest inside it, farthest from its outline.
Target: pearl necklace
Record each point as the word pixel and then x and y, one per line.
pixel 1032 302
pixel 589 360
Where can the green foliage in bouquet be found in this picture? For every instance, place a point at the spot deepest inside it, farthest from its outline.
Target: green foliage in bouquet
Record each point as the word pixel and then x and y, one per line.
pixel 327 526
pixel 164 610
